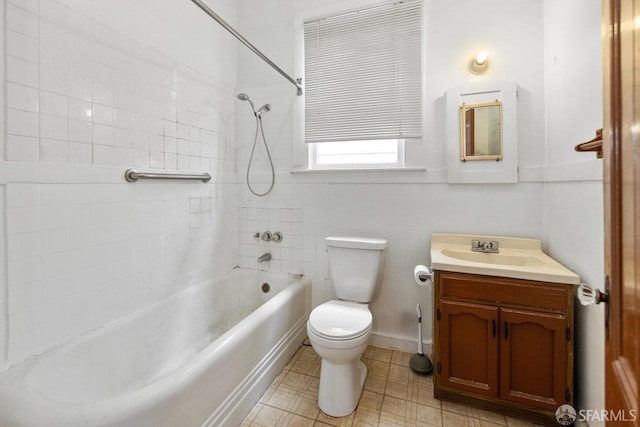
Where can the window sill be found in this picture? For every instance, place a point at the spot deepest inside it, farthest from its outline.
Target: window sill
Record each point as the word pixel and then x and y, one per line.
pixel 350 170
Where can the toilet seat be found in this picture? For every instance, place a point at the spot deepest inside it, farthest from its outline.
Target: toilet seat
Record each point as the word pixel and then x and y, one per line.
pixel 340 320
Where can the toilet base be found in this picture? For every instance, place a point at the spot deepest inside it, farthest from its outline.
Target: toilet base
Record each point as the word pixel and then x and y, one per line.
pixel 341 386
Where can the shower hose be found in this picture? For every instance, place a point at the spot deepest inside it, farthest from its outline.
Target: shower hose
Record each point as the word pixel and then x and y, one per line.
pixel 253 149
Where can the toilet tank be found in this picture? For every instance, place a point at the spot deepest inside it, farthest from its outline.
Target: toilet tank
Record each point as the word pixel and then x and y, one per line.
pixel 355 266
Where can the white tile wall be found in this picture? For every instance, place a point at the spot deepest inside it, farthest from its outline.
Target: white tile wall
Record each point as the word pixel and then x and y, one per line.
pixel 93 96
pixel 287 256
pixel 81 255
pixel 86 249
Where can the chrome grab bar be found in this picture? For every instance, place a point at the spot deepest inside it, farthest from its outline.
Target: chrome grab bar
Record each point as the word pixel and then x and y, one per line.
pixel 132 175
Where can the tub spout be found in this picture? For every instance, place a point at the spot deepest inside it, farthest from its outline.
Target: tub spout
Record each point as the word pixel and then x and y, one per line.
pixel 264 257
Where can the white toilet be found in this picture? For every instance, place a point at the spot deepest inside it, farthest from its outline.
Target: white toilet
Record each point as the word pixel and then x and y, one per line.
pixel 339 330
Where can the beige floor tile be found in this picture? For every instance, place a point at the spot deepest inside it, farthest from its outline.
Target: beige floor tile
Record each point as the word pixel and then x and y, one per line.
pixel 388 420
pixel 368 353
pixel 269 417
pixel 394 407
pixel 365 417
pixel 397 390
pixel 267 394
pixel 485 423
pixel 393 396
pixel 421 381
pixel 457 408
pixel 294 420
pixel 381 354
pixel 336 421
pixel 254 412
pixel 400 358
pixel 307 366
pixel 301 384
pixel 492 417
pixel 424 397
pixel 375 383
pixel 378 368
pixel 451 419
pixel 283 399
pixel 306 407
pixel 428 415
pixel 371 401
pixel 517 422
pixel 399 373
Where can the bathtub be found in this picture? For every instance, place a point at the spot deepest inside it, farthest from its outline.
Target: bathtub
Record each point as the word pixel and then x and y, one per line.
pixel 202 357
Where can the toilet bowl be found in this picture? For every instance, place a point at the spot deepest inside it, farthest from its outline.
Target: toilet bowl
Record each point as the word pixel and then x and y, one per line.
pixel 339 330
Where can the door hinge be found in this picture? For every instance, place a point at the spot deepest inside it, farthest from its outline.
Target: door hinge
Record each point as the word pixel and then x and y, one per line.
pixel 438 314
pixel 439 367
pixel 567 395
pixel 568 333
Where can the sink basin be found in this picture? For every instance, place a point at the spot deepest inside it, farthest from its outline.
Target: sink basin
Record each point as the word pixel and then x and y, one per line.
pixel 517 258
pixel 496 259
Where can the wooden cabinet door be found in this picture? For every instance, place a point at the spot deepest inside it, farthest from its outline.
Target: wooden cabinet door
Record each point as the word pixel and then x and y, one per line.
pixel 469 347
pixel 533 358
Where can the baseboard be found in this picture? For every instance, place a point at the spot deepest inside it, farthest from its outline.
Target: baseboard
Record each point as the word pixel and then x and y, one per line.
pixel 245 396
pixel 395 342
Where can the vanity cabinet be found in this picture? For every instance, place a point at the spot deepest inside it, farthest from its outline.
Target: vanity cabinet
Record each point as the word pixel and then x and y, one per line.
pixel 503 344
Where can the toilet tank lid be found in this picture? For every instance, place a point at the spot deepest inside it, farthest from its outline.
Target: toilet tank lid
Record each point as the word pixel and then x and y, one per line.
pixel 372 243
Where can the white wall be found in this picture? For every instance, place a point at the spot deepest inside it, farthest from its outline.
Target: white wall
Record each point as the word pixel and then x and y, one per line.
pixel 405 207
pixel 573 206
pixel 558 198
pixel 94 88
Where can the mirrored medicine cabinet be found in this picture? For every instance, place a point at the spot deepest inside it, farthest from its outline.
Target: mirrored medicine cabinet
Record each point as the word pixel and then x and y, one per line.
pixel 481 131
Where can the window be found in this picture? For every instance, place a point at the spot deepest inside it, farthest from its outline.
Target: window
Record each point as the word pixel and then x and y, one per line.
pixel 363 85
pixel 377 153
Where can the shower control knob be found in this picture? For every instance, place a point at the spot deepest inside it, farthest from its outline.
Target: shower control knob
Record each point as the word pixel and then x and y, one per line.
pixel 266 236
pixel 277 237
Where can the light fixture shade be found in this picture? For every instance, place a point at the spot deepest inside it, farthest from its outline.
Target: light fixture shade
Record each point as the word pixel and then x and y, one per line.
pixel 479 63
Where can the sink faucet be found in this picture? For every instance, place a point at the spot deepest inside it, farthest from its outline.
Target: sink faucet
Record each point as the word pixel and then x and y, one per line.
pixel 486 247
pixel 264 257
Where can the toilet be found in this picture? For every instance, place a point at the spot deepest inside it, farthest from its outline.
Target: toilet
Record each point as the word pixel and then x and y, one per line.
pixel 339 330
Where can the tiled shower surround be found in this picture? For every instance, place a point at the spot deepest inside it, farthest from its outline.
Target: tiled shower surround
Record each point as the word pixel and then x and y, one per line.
pixel 287 255
pixel 78 92
pixel 85 103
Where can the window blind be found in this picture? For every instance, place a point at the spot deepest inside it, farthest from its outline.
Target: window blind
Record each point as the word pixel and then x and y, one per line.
pixel 363 74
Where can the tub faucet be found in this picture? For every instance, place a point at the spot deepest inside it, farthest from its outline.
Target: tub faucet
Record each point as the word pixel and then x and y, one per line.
pixel 264 257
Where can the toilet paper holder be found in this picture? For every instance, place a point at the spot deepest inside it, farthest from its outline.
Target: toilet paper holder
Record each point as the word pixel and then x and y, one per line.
pixel 423 275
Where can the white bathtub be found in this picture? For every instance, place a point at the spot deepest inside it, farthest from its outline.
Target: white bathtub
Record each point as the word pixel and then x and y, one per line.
pixel 202 357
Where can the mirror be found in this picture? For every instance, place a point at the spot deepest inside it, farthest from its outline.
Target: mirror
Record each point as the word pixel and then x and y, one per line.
pixel 481 131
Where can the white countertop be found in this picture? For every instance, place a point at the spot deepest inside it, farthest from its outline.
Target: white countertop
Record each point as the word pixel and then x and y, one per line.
pixel 517 258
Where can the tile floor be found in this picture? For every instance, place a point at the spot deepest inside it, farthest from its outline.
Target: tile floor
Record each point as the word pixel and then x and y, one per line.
pixel 393 396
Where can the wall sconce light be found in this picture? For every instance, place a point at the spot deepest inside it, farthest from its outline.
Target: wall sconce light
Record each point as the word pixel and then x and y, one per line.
pixel 479 63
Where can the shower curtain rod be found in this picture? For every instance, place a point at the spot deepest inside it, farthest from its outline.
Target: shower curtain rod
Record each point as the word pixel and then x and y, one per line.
pixel 239 36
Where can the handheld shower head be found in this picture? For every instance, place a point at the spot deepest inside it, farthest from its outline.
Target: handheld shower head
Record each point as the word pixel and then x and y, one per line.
pixel 245 97
pixel 264 109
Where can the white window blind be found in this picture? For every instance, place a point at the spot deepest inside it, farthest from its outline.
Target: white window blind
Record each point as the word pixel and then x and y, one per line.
pixel 363 74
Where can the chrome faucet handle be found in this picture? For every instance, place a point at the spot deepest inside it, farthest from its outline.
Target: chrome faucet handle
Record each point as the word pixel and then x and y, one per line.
pixel 493 244
pixel 475 244
pixel 266 236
